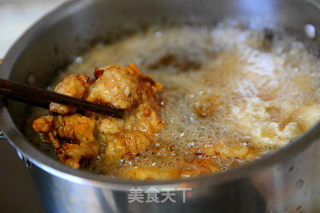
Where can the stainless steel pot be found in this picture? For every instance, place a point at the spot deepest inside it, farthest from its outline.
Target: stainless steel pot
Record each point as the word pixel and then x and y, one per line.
pixel 284 181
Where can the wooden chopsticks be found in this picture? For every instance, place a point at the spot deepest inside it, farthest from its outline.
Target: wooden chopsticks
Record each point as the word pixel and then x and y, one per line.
pixel 42 98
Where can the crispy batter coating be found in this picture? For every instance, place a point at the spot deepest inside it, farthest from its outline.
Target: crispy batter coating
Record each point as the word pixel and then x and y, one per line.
pixel 115 86
pixel 225 150
pixel 183 169
pixel 198 167
pixel 134 134
pixel 73 154
pixel 132 143
pixel 77 138
pixel 75 128
pixel 74 85
pixel 149 173
pixel 308 116
pixel 44 124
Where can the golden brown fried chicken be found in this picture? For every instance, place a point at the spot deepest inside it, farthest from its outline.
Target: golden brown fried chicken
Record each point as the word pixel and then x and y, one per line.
pixel 131 136
pixel 74 85
pixel 116 86
pixel 75 128
pixel 73 154
pixel 183 169
pixel 198 167
pixel 134 134
pixel 308 115
pixel 76 137
pixel 149 173
pixel 131 143
pixel 225 150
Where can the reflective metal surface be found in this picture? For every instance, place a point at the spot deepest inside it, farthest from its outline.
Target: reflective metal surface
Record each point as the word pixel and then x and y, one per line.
pixel 2 137
pixel 284 181
pixel 284 187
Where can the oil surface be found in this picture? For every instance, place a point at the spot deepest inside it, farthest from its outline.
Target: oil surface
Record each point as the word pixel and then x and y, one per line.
pixel 222 85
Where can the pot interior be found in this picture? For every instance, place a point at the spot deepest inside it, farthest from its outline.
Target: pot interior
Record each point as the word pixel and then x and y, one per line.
pixel 60 37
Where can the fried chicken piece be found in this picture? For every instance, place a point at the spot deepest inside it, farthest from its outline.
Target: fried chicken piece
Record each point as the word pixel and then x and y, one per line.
pixel 76 128
pixel 227 150
pixel 155 168
pixel 121 87
pixel 44 124
pixel 149 173
pixel 143 119
pixel 74 85
pixel 132 138
pixel 133 134
pixel 198 167
pixel 46 128
pixel 108 127
pixel 116 86
pixel 308 116
pixel 131 143
pixel 73 154
pixel 183 169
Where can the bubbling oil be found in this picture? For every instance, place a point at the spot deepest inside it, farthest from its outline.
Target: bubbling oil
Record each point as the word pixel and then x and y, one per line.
pixel 222 85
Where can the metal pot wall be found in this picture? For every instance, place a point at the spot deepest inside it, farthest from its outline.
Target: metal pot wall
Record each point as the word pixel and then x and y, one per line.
pixel 284 181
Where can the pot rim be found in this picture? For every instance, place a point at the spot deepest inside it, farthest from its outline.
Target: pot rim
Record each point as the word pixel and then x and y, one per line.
pixel 41 160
